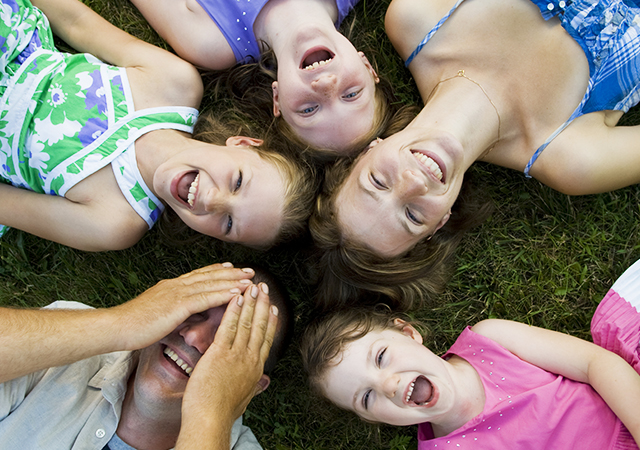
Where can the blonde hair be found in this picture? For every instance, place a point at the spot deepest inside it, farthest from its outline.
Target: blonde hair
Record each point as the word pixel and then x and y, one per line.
pixel 301 180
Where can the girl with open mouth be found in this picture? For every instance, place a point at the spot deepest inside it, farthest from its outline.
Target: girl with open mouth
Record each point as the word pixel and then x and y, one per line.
pixel 502 384
pixel 90 154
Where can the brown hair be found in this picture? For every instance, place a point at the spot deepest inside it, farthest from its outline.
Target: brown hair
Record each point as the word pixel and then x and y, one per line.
pixel 347 272
pixel 300 177
pixel 326 338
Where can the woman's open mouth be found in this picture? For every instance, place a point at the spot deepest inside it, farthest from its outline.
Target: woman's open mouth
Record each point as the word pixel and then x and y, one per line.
pixel 430 164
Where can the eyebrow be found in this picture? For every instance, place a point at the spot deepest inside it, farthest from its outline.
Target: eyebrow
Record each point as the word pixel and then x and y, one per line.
pixel 374 194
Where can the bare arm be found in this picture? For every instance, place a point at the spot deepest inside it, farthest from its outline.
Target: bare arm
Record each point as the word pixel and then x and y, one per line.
pixel 234 360
pixel 32 340
pixel 189 31
pixel 158 78
pixel 103 224
pixel 610 375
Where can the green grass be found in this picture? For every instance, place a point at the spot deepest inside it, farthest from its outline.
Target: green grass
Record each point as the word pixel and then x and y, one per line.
pixel 543 258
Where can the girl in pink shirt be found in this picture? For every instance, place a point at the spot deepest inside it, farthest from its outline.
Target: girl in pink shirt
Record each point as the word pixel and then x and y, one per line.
pixel 502 384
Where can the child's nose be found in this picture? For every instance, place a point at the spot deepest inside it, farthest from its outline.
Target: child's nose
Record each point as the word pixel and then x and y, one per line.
pixel 214 201
pixel 390 386
pixel 325 84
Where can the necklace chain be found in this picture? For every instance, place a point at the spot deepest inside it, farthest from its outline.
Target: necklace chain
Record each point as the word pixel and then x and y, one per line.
pixel 461 74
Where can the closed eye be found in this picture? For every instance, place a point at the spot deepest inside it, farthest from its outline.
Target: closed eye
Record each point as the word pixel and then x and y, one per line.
pixel 412 217
pixel 377 183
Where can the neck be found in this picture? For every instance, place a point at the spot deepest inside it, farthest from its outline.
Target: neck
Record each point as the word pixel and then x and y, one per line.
pixel 460 106
pixel 280 20
pixel 469 397
pixel 147 426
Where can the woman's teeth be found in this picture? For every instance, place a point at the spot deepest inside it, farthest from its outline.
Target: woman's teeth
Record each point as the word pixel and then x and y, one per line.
pixel 174 356
pixel 317 64
pixel 430 163
pixel 192 190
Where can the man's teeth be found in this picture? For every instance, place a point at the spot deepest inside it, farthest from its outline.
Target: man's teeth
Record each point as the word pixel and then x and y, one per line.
pixel 192 190
pixel 430 163
pixel 413 383
pixel 174 356
pixel 317 64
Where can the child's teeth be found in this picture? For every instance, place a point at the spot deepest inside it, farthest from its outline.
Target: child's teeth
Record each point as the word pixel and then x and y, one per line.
pixel 192 190
pixel 317 64
pixel 413 383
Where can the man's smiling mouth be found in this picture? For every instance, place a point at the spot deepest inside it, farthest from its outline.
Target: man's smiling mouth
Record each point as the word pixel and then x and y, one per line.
pixel 186 368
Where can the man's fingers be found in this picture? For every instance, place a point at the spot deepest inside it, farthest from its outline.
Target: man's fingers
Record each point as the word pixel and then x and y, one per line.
pixel 217 272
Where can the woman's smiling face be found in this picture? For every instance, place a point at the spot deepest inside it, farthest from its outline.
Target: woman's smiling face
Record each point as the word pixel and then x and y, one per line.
pixel 232 193
pixel 400 191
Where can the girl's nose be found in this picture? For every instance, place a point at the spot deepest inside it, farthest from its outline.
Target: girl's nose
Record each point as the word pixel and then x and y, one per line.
pixel 390 386
pixel 214 201
pixel 326 84
pixel 200 335
pixel 412 185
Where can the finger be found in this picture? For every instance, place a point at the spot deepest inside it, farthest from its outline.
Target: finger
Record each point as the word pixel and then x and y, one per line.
pixel 246 317
pixel 218 272
pixel 272 327
pixel 260 320
pixel 225 335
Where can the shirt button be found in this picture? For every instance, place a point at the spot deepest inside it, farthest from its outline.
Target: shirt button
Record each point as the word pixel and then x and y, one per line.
pixel 550 6
pixel 100 433
pixel 562 4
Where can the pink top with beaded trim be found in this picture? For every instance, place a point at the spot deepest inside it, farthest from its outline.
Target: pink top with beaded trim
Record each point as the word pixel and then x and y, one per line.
pixel 529 408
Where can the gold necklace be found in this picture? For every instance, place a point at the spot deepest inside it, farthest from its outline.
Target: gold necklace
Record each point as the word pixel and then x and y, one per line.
pixel 461 74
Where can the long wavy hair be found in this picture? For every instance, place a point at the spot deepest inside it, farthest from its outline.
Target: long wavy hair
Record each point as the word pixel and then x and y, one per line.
pixel 347 272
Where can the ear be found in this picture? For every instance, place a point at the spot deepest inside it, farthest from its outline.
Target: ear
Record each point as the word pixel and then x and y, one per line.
pixel 263 384
pixel 243 141
pixel 408 330
pixel 444 220
pixel 369 67
pixel 372 144
pixel 276 103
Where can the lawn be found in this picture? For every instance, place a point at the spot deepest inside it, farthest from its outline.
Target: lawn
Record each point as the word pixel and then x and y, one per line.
pixel 543 258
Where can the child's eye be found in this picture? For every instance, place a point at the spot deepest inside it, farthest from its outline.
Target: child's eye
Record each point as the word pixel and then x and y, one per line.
pixel 352 95
pixel 365 399
pixel 309 110
pixel 412 217
pixel 377 183
pixel 229 225
pixel 380 355
pixel 239 182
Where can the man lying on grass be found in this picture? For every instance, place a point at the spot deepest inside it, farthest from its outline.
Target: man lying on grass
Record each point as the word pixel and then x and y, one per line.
pixel 168 368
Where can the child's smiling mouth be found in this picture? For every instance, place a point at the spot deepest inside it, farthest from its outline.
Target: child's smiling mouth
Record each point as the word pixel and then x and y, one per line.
pixel 420 392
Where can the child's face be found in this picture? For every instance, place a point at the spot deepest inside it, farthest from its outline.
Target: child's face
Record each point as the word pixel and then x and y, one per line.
pixel 388 376
pixel 330 104
pixel 229 193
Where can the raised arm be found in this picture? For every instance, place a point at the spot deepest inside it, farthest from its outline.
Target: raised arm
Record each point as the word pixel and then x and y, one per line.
pixel 234 360
pixel 32 340
pixel 189 31
pixel 159 78
pixel 610 375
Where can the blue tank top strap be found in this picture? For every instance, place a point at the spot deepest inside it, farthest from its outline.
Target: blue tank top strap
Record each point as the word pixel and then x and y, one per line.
pixel 430 34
